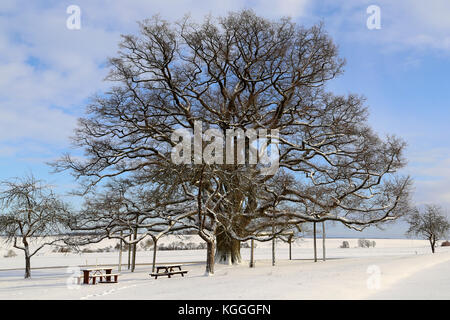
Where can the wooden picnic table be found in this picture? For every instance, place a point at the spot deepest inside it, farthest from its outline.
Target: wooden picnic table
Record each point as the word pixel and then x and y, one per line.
pixel 168 270
pixel 101 272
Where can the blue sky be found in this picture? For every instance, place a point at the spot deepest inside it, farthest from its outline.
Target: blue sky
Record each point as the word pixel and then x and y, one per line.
pixel 47 72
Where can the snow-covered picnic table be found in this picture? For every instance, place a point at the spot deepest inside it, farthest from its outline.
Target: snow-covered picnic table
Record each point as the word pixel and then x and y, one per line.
pixel 168 270
pixel 102 272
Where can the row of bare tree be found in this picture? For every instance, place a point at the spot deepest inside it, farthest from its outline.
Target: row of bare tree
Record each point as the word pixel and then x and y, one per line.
pixel 32 217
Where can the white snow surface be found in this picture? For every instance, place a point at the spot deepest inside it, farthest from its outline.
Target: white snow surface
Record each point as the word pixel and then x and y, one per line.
pixel 394 269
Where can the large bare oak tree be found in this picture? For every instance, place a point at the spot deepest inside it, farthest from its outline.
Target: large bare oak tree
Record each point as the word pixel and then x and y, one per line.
pixel 240 72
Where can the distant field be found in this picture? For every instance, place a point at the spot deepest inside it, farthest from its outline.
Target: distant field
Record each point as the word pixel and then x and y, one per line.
pixel 301 249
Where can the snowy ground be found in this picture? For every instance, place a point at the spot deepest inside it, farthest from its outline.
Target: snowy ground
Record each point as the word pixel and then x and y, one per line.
pixel 394 269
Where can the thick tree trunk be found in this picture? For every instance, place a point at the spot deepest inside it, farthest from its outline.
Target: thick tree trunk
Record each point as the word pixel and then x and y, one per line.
pixel 27 266
pixel 129 253
pixel 228 250
pixel 323 241
pixel 273 252
pixel 290 248
pixel 155 248
pixel 133 263
pixel 252 254
pixel 432 243
pixel 315 243
pixel 120 251
pixel 27 259
pixel 133 260
pixel 210 257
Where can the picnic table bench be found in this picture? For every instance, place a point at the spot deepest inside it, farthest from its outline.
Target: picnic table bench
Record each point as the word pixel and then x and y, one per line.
pixel 168 270
pixel 104 275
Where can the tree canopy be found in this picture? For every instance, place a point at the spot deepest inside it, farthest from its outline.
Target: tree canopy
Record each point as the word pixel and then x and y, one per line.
pixel 239 72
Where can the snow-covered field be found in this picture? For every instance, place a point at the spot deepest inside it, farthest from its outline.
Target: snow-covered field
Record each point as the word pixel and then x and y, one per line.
pixel 394 269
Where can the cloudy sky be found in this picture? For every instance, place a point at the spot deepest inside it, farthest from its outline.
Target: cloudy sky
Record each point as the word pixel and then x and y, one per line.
pixel 48 71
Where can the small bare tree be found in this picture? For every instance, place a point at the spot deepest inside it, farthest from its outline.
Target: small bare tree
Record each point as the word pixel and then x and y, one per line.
pixel 431 224
pixel 31 212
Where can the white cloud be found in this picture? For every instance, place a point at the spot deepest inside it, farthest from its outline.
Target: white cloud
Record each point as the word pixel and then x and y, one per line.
pixel 34 97
pixel 431 171
pixel 405 24
pixel 40 100
pixel 270 8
